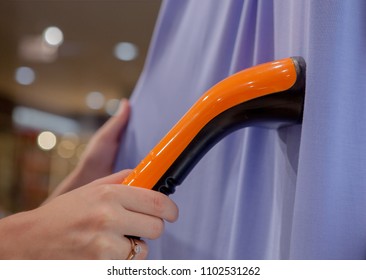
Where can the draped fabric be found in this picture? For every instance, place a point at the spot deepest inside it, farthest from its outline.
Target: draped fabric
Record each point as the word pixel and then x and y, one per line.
pixel 294 193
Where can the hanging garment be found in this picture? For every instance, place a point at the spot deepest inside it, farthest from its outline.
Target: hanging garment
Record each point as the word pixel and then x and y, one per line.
pixel 294 193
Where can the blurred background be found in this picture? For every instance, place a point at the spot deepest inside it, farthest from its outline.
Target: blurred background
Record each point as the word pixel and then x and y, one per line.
pixel 64 66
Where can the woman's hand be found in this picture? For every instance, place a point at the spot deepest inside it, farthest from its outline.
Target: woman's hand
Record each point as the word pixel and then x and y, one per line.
pixel 90 222
pixel 98 158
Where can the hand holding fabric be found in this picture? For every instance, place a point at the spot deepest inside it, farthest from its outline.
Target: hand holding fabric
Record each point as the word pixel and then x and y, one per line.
pixel 98 158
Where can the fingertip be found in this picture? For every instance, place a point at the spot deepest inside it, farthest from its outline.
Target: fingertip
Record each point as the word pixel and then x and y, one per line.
pixel 123 107
pixel 173 213
pixel 164 207
pixel 176 216
pixel 126 172
pixel 123 174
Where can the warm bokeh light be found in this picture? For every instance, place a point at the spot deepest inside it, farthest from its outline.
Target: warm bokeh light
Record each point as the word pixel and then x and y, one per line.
pixel 46 140
pixel 66 148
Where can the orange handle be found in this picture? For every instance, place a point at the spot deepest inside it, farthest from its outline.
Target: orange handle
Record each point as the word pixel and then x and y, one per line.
pixel 249 84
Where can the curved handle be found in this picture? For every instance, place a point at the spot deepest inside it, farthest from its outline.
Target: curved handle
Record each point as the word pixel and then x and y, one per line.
pixel 270 94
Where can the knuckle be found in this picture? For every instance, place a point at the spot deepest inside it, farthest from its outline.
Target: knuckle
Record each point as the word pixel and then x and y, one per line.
pixel 106 193
pixel 103 219
pixel 101 247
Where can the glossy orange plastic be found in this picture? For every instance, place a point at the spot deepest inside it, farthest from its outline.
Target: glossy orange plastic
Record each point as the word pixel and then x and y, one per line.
pixel 243 86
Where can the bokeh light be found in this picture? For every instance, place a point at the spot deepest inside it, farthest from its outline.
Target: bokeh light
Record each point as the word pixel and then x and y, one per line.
pixel 126 51
pixel 53 36
pixel 46 140
pixel 25 75
pixel 95 100
pixel 112 106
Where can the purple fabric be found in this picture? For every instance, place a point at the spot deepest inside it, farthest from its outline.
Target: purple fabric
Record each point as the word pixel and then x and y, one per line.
pixel 297 192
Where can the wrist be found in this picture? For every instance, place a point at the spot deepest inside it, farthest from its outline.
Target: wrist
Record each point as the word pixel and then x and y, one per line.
pixel 16 240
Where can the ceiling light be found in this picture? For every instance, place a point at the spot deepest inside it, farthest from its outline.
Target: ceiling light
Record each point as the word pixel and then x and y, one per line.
pixel 95 100
pixel 39 120
pixel 125 51
pixel 53 36
pixel 25 75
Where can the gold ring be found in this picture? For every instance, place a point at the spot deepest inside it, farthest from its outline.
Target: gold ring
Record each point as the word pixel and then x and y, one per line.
pixel 135 249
